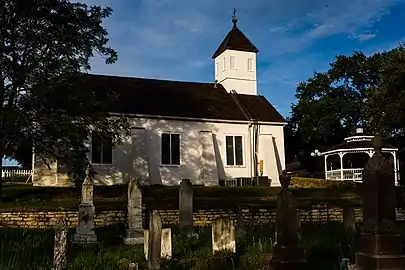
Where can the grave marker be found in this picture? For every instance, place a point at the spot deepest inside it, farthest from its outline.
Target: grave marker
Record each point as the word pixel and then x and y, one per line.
pixel 186 205
pixel 134 233
pixel 223 235
pixel 60 246
pixel 288 252
pixel 380 244
pixel 85 235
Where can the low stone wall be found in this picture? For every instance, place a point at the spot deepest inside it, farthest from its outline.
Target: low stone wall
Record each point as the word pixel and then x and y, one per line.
pixel 318 213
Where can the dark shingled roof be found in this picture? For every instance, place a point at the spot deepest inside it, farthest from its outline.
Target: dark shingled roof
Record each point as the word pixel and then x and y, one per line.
pixel 181 99
pixel 235 40
pixel 358 144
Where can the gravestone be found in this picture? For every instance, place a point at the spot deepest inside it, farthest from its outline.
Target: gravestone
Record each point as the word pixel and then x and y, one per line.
pixel 60 246
pixel 240 224
pixel 349 219
pixel 154 241
pixel 288 252
pixel 223 235
pixel 166 243
pixel 380 242
pixel 85 234
pixel 186 205
pixel 134 233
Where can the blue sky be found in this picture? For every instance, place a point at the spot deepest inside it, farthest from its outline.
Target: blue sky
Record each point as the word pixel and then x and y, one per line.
pixel 174 39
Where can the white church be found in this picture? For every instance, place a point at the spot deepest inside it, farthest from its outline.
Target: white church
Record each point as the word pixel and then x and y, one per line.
pixel 214 133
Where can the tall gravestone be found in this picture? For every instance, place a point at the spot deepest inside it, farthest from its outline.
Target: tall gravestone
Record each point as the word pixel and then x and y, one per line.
pixel 186 205
pixel 85 234
pixel 134 233
pixel 60 246
pixel 154 241
pixel 289 253
pixel 380 243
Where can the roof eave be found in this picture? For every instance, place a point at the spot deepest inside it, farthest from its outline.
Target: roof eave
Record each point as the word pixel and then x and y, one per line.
pixel 219 51
pixel 179 118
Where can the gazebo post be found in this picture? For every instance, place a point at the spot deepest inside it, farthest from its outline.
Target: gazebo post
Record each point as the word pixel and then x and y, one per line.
pixel 395 168
pixel 341 165
pixel 326 166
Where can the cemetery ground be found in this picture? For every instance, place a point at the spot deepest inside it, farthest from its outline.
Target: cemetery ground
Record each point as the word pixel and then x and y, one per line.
pixel 327 244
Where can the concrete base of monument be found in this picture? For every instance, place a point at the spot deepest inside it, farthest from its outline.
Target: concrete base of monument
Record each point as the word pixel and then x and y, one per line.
pixel 133 241
pixel 134 237
pixel 85 240
pixel 289 258
pixel 380 252
pixel 365 261
pixel 381 243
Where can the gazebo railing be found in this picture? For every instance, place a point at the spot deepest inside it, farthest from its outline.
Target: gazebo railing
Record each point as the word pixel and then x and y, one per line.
pixel 348 174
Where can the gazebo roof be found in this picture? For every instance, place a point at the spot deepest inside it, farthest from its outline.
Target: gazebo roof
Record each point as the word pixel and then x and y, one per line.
pixel 358 144
pixel 360 140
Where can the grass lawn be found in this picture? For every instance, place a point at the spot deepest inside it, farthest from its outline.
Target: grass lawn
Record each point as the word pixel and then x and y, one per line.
pixel 326 244
pixel 308 191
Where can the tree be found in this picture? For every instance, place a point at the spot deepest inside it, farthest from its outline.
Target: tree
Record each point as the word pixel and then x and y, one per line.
pixel 44 48
pixel 356 90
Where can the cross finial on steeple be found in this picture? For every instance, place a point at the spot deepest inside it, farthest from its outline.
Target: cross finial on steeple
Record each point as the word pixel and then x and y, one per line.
pixel 234 19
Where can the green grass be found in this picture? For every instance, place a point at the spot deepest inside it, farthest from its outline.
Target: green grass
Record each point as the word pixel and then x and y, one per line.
pixel 327 244
pixel 27 197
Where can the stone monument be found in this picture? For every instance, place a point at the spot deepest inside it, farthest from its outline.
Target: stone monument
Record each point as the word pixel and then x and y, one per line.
pixel 186 205
pixel 288 252
pixel 85 235
pixel 60 246
pixel 380 243
pixel 134 233
pixel 154 241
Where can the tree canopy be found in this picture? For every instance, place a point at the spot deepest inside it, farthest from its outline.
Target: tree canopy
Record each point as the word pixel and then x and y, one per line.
pixel 357 90
pixel 44 47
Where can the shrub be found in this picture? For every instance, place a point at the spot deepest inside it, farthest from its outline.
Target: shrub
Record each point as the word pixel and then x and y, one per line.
pixel 303 182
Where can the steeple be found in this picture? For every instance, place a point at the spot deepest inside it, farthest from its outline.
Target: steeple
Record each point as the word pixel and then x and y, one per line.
pixel 235 62
pixel 235 40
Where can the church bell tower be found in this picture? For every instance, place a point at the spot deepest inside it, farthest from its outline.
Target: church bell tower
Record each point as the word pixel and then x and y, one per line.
pixel 235 62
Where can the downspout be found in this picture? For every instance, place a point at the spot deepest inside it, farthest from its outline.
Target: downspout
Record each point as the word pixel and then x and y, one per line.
pixel 253 132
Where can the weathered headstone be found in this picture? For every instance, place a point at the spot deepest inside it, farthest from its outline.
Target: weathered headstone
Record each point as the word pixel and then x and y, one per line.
pixel 380 244
pixel 240 224
pixel 166 243
pixel 154 241
pixel 223 235
pixel 134 233
pixel 288 252
pixel 60 246
pixel 349 219
pixel 186 205
pixel 85 234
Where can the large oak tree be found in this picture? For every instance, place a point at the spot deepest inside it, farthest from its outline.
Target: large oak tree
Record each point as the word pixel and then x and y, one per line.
pixel 44 47
pixel 356 90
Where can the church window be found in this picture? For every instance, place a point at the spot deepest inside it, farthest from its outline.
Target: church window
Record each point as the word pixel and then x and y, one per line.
pixel 217 68
pixel 234 150
pixel 170 149
pixel 250 64
pixel 224 64
pixel 233 65
pixel 101 149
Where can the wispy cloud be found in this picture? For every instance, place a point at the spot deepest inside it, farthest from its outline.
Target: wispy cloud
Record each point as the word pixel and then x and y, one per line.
pixel 364 37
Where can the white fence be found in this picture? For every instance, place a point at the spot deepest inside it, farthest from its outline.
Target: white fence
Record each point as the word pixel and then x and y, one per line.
pixel 345 174
pixel 8 173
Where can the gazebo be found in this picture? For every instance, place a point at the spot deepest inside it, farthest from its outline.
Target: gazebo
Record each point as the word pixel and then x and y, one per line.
pixel 346 161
